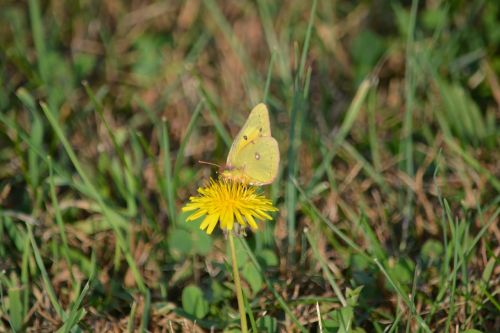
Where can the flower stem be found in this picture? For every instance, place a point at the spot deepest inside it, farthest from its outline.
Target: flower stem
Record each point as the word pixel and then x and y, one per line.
pixel 237 284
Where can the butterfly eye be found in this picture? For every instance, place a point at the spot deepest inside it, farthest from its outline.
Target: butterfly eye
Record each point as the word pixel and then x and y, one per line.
pixel 257 156
pixel 245 137
pixel 260 129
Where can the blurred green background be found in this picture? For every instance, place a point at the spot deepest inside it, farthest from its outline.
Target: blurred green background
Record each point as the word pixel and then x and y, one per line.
pixel 387 115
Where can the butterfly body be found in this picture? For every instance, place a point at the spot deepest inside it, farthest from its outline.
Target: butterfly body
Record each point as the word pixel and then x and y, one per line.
pixel 254 155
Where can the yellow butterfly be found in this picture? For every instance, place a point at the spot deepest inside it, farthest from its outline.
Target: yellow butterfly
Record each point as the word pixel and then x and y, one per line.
pixel 254 156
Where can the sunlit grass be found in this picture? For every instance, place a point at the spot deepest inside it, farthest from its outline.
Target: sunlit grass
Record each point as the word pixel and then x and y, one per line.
pixel 387 193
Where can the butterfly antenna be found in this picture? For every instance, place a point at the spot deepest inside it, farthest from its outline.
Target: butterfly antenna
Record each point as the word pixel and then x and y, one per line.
pixel 209 163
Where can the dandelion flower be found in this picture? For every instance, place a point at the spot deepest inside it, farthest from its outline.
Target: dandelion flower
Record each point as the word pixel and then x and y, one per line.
pixel 225 201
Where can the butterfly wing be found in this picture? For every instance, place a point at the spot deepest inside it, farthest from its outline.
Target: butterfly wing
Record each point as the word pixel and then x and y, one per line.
pixel 257 125
pixel 258 162
pixel 254 155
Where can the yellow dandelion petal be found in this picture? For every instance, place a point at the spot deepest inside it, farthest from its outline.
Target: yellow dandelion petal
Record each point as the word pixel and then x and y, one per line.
pixel 239 218
pixel 227 221
pixel 251 221
pixel 224 201
pixel 190 206
pixel 212 225
pixel 206 221
pixel 262 215
pixel 197 215
pixel 209 223
pixel 223 219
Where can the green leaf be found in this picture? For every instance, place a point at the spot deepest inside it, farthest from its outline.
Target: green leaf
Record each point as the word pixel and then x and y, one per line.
pixel 353 295
pixel 83 64
pixel 180 243
pixel 267 324
pixel 193 301
pixel 339 321
pixel 15 308
pixel 201 242
pixel 367 47
pixel 402 270
pixel 267 258
pixel 219 293
pixel 252 276
pixel 149 58
pixel 488 270
pixel 432 250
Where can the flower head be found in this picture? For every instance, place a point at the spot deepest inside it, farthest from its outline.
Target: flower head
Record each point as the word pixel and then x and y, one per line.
pixel 227 201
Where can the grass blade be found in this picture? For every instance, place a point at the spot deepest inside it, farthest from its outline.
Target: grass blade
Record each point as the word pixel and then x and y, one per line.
pixel 325 268
pixel 269 284
pixel 185 139
pixel 59 221
pixel 169 186
pixel 115 220
pixel 45 276
pixel 350 117
pixel 39 38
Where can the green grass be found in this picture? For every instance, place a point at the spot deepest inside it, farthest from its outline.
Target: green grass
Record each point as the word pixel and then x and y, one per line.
pixel 388 191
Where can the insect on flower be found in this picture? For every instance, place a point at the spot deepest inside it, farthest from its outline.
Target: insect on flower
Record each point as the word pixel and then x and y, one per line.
pixel 225 201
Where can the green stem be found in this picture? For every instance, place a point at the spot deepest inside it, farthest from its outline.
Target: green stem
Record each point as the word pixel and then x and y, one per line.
pixel 237 284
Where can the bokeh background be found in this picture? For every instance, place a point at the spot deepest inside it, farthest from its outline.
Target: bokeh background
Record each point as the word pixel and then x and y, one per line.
pixel 387 115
